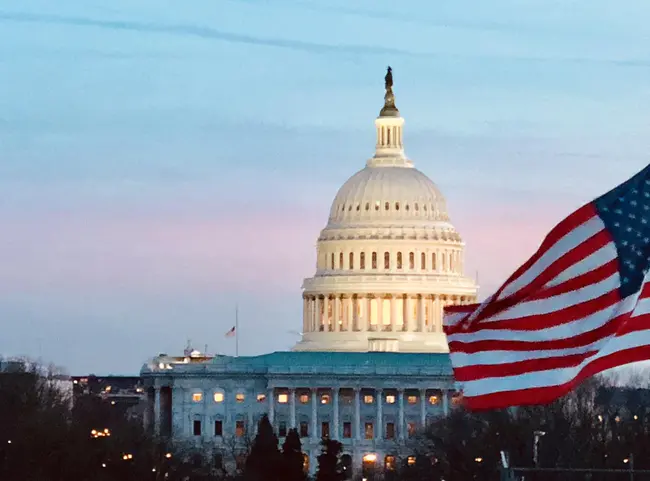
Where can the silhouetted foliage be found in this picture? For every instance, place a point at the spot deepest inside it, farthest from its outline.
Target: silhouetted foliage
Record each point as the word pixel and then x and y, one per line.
pixel 264 461
pixel 329 466
pixel 292 458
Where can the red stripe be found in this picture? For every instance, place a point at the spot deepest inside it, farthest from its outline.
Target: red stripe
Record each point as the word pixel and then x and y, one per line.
pixel 545 395
pixel 592 277
pixel 482 371
pixel 561 264
pixel 577 218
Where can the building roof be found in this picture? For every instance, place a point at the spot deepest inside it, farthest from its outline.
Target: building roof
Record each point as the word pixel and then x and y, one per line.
pixel 313 362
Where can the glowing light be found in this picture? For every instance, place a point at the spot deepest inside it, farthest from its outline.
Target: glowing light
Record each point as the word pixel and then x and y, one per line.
pixel 626 460
pixel 478 460
pixel 370 458
pixel 168 455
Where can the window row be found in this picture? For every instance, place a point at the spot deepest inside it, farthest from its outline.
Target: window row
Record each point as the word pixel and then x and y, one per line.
pixel 386 206
pixel 303 428
pixel 445 261
pixel 323 398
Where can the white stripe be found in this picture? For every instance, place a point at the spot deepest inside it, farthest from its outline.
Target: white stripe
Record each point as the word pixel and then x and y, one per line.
pixel 599 258
pixel 553 377
pixel 453 318
pixel 562 331
pixel 561 301
pixel 571 240
pixel 461 359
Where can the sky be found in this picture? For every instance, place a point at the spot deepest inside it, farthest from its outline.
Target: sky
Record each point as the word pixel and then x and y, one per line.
pixel 162 162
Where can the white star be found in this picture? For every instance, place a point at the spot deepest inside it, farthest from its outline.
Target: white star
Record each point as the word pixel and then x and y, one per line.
pixel 617 224
pixel 633 202
pixel 629 229
pixel 618 211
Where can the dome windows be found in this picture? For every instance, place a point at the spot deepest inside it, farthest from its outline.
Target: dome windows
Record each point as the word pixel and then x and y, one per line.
pixel 362 261
pixel 417 207
pixel 351 266
pixel 386 260
pixel 411 260
pixel 332 261
pixel 377 204
pixel 423 261
pixel 399 260
pixel 387 206
pixel 406 207
pixel 374 260
pixel 396 205
pixel 340 260
pixel 367 206
pixel 358 207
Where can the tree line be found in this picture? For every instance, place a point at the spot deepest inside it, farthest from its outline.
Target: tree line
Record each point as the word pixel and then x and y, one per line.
pixel 43 437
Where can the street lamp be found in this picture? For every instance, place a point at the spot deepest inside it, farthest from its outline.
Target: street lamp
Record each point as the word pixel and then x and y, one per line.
pixel 536 436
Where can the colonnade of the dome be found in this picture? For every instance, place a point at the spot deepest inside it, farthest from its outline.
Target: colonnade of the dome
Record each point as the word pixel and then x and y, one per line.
pixel 439 261
pixel 377 312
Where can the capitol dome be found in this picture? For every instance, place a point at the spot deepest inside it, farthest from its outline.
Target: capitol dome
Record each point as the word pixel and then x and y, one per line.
pixel 389 259
pixel 387 194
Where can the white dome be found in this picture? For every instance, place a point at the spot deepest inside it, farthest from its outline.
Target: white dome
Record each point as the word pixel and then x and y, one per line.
pixel 388 195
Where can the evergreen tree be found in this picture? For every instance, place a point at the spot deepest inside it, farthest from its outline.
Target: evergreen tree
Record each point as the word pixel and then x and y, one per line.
pixel 264 461
pixel 329 467
pixel 292 458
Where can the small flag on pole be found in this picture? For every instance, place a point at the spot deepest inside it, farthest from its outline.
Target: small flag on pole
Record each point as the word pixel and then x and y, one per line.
pixel 231 332
pixel 580 305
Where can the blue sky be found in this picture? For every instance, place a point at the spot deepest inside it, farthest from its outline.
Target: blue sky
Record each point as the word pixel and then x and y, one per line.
pixel 161 161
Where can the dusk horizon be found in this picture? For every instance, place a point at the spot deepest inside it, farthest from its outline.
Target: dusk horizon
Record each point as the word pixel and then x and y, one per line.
pixel 161 165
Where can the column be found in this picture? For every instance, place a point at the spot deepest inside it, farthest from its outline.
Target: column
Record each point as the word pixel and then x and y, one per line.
pixel 408 309
pixel 437 313
pixel 314 414
pixel 354 319
pixel 305 314
pixel 445 402
pixel 292 407
pixel 421 314
pixel 335 399
pixel 347 313
pixel 336 311
pixel 379 433
pixel 156 410
pixel 271 397
pixel 393 313
pixel 380 312
pixel 400 403
pixel 326 318
pixel 423 408
pixel 317 316
pixel 177 411
pixel 357 413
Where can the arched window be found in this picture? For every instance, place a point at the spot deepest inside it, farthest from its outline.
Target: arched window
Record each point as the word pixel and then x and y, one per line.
pixel 332 261
pixel 387 205
pixel 362 260
pixel 433 261
pixel 411 260
pixel 358 207
pixel 377 205
pixel 417 207
pixel 351 266
pixel 340 260
pixel 443 262
pixel 388 136
pixel 374 260
pixel 367 205
pixel 396 205
pixel 386 260
pixel 406 207
pixel 399 260
pixel 423 261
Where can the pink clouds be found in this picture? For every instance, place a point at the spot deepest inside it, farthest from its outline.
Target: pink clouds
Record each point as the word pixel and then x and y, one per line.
pixel 251 250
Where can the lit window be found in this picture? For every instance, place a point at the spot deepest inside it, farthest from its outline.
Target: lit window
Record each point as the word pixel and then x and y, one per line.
pixel 283 398
pixel 240 397
pixel 411 428
pixel 369 431
pixel 370 458
pixel 261 398
pixel 218 397
pixel 325 399
pixel 433 400
pixel 240 429
pixel 107 389
pixel 197 397
pixel 390 399
pixel 304 398
pixel 412 399
pixel 368 398
pixel 389 463
pixel 411 460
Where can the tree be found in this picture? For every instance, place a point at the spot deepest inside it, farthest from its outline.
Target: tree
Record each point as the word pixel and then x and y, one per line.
pixel 292 458
pixel 264 461
pixel 329 467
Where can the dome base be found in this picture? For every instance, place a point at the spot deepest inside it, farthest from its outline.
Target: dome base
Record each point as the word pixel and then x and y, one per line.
pixel 374 341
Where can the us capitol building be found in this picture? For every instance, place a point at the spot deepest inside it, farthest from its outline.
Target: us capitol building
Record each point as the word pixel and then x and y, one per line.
pixel 372 366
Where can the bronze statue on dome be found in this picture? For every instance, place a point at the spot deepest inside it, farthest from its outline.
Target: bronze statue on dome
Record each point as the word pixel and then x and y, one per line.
pixel 389 78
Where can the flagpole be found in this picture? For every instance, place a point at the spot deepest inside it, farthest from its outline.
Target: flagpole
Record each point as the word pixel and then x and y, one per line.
pixel 236 330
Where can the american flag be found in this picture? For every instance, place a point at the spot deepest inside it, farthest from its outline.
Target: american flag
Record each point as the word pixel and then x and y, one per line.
pixel 231 332
pixel 578 306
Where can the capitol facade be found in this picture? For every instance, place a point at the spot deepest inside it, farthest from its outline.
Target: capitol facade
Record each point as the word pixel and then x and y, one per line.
pixel 371 368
